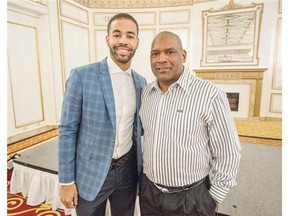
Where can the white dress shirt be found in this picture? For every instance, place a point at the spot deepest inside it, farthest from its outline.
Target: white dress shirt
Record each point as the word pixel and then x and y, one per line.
pixel 125 107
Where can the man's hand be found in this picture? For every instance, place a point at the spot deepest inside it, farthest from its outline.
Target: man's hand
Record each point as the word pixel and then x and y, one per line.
pixel 69 195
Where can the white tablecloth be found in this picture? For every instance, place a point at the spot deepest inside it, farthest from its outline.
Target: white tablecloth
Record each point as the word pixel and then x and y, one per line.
pixel 39 186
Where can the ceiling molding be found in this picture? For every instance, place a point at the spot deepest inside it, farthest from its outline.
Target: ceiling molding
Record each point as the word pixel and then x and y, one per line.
pixel 137 3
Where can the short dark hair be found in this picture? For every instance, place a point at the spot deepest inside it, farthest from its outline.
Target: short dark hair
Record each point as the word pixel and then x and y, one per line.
pixel 122 16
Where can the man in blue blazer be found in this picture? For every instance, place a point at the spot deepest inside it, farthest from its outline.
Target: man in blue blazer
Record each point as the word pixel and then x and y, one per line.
pixel 100 131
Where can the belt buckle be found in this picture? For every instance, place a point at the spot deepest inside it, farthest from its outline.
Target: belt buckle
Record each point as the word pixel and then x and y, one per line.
pixel 163 190
pixel 166 190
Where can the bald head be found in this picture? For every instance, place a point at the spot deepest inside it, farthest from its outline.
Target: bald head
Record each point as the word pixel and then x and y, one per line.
pixel 166 35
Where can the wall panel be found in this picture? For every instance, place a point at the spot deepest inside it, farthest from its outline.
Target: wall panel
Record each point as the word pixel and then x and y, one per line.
pixel 174 17
pixel 76 46
pixel 25 75
pixel 102 18
pixel 145 18
pixel 101 49
pixel 276 103
pixel 73 12
pixel 277 66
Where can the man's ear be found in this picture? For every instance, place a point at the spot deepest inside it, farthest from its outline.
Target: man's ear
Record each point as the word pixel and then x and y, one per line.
pixel 184 55
pixel 138 41
pixel 107 40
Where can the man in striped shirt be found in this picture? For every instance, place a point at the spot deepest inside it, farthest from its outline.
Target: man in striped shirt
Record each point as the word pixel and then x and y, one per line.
pixel 191 149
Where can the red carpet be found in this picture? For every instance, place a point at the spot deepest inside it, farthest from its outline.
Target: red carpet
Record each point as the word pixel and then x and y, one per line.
pixel 16 205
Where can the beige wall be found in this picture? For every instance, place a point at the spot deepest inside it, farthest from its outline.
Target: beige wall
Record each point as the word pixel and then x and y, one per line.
pixel 60 35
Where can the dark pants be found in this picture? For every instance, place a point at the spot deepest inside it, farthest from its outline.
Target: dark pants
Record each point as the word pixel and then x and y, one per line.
pixel 119 187
pixel 196 201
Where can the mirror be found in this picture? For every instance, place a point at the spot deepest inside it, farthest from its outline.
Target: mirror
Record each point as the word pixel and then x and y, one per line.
pixel 231 35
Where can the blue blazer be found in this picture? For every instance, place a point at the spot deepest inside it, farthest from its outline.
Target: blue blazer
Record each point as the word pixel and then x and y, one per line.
pixel 88 127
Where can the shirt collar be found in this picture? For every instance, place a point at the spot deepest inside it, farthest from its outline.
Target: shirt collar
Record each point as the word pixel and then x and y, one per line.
pixel 114 68
pixel 183 81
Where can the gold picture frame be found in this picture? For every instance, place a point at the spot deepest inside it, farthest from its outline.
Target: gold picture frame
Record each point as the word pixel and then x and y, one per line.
pixel 230 35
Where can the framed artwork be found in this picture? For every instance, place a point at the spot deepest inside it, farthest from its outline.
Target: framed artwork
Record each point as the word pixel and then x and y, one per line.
pixel 231 35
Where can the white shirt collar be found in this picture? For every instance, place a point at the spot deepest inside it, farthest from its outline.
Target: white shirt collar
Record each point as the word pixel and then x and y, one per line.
pixel 114 68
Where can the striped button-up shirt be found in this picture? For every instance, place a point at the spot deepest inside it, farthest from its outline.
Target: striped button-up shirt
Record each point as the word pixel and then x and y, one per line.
pixel 188 133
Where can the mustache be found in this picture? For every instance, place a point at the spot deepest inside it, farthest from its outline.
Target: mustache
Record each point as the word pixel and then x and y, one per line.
pixel 122 46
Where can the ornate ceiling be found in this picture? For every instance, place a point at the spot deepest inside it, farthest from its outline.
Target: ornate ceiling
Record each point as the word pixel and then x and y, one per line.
pixel 136 3
pixel 232 29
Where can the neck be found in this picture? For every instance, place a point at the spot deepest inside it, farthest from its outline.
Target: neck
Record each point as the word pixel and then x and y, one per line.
pixel 164 86
pixel 122 65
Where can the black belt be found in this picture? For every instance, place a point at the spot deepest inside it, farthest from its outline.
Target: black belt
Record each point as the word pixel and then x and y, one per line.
pixel 117 162
pixel 166 189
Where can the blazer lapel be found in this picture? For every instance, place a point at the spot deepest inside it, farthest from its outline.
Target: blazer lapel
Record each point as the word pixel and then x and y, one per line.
pixel 137 84
pixel 106 86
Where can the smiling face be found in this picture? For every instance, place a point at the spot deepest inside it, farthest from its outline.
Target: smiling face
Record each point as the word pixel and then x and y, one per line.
pixel 167 57
pixel 122 41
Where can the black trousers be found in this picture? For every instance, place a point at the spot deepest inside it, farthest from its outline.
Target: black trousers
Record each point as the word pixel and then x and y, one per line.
pixel 196 201
pixel 119 187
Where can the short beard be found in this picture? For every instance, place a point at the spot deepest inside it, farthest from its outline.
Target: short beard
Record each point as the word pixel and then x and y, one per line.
pixel 119 58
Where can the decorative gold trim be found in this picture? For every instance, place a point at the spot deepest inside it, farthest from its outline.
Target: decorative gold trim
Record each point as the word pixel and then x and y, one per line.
pixel 272 102
pixel 40 76
pixel 39 2
pixel 113 4
pixel 232 6
pixel 280 6
pixel 276 55
pixel 40 80
pixel 61 47
pixel 14 138
pixel 11 88
pixel 71 17
pixel 238 74
pixel 31 141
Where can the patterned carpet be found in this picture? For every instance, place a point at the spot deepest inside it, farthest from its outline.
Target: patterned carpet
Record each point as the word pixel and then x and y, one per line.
pixel 260 129
pixel 260 132
pixel 16 205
